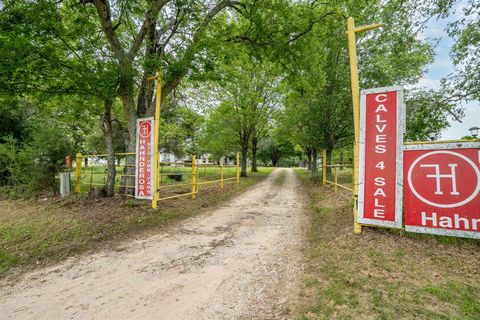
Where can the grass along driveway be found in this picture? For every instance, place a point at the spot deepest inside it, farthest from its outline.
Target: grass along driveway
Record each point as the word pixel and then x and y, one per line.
pixel 383 274
pixel 37 232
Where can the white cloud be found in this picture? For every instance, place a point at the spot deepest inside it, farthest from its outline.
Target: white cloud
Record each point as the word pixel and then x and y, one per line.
pixel 426 83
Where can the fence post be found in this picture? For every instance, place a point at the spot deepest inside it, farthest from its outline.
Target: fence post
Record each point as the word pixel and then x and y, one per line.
pixel 324 167
pixel 335 177
pixel 78 172
pixel 238 167
pixel 194 177
pixel 221 175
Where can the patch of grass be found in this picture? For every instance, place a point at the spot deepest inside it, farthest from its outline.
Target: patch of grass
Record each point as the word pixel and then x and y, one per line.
pixel 6 261
pixel 383 274
pixel 38 232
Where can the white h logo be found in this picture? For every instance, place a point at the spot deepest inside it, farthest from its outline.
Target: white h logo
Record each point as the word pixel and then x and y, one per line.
pixel 439 176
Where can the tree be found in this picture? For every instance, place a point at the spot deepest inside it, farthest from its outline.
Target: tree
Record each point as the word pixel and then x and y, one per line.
pixel 319 99
pixel 178 130
pixel 464 83
pixel 219 136
pixel 13 119
pixel 51 52
pixel 138 39
pixel 172 35
pixel 428 111
pixel 247 90
pixel 273 150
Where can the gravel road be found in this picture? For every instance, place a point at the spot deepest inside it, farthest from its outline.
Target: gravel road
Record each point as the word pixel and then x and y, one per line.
pixel 241 261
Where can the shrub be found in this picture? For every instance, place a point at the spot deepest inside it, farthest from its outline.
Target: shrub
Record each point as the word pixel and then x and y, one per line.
pixel 32 168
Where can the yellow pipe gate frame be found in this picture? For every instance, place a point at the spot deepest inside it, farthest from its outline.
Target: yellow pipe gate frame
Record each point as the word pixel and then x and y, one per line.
pixel 335 167
pixel 158 80
pixel 352 50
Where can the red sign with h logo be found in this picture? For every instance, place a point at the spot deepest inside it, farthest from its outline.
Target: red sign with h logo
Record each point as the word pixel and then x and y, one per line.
pixel 144 159
pixel 442 189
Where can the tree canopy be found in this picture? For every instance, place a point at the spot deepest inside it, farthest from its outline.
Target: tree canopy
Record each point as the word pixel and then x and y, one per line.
pixel 266 78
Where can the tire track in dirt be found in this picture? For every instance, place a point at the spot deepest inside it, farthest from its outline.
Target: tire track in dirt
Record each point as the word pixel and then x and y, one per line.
pixel 242 261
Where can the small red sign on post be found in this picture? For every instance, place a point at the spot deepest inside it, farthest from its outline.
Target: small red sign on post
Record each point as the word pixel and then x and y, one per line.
pixel 380 164
pixel 144 161
pixel 442 189
pixel 68 162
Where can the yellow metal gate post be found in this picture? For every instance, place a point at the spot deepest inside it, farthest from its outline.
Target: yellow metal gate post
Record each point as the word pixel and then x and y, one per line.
pixel 352 50
pixel 324 167
pixel 156 176
pixel 78 172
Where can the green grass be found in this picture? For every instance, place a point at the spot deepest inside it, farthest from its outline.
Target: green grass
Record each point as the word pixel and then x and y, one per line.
pixel 38 232
pixel 382 274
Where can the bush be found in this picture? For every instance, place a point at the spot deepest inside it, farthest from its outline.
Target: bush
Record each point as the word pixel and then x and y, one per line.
pixel 32 168
pixel 12 163
pixel 8 155
pixel 47 153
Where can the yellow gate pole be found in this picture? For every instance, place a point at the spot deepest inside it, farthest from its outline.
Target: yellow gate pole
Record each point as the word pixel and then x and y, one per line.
pixel 352 50
pixel 335 178
pixel 78 172
pixel 238 167
pixel 324 167
pixel 194 177
pixel 156 176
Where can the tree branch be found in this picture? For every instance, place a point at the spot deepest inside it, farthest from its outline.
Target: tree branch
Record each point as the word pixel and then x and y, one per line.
pixel 189 52
pixel 149 21
pixel 104 13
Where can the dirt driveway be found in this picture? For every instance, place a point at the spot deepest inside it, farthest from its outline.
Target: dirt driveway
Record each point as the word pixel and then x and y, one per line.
pixel 241 261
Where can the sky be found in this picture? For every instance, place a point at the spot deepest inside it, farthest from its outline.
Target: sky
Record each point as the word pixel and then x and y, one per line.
pixel 441 67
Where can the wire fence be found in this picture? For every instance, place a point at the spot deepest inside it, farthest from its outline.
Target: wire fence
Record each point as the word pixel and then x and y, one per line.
pixel 340 175
pixel 176 179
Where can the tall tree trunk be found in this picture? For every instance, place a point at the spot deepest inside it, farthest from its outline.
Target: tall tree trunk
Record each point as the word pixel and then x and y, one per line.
pixel 243 162
pixel 254 154
pixel 108 135
pixel 309 160
pixel 342 162
pixel 329 159
pixel 127 96
pixel 314 163
pixel 145 107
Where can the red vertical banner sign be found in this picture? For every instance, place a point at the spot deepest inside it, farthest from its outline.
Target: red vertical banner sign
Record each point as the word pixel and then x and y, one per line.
pixel 382 121
pixel 144 159
pixel 442 189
